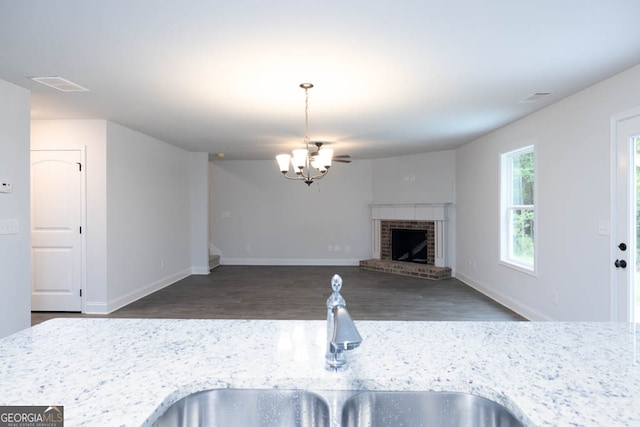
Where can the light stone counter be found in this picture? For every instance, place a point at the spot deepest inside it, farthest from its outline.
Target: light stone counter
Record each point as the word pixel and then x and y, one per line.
pixel 117 372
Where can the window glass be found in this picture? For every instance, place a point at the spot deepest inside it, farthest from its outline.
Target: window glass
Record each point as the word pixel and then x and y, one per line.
pixel 518 209
pixel 523 179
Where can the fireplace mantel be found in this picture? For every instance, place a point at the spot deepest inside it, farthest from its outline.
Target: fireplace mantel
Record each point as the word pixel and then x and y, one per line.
pixel 410 211
pixel 436 212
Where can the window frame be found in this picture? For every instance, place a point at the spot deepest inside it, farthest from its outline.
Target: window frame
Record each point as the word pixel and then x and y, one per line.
pixel 507 207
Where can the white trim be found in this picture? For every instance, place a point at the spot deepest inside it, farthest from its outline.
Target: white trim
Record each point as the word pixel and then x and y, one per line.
pixel 519 267
pixel 436 212
pixel 289 261
pixel 613 215
pixel 113 305
pixel 613 212
pixel 200 270
pixel 375 233
pixel 506 204
pixel 513 305
pixel 410 211
pixel 95 308
pixel 83 220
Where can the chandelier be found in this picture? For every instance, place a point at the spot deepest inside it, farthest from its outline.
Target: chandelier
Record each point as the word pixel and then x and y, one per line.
pixel 307 165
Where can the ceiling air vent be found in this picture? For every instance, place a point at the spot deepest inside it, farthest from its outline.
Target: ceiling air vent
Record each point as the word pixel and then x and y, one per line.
pixel 534 97
pixel 63 85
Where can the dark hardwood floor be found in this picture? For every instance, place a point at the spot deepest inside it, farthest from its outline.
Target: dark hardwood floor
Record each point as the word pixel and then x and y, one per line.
pixel 277 292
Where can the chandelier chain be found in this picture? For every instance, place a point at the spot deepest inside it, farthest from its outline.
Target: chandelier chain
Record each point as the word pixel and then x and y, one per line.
pixel 306 117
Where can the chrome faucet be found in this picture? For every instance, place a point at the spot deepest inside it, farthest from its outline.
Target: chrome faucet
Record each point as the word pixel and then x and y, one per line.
pixel 342 334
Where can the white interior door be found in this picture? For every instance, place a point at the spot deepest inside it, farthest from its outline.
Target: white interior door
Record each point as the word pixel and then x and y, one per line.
pixel 56 221
pixel 626 291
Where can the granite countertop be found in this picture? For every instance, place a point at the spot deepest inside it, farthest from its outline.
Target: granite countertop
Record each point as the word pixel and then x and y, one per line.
pixel 125 372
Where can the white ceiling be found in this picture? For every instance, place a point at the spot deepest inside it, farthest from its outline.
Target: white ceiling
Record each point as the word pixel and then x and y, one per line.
pixel 391 78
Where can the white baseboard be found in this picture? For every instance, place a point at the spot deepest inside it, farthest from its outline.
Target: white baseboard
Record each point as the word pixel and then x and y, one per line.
pixel 117 303
pixel 523 310
pixel 200 270
pixel 288 261
pixel 95 308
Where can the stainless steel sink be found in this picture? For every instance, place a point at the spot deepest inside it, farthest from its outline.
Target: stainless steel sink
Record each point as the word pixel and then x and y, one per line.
pixel 275 407
pixel 247 407
pixel 412 409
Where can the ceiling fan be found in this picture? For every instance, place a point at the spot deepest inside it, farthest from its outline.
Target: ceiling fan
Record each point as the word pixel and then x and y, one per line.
pixel 345 158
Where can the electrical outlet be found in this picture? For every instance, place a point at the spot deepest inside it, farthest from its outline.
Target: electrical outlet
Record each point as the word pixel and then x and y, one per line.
pixel 6 187
pixel 9 226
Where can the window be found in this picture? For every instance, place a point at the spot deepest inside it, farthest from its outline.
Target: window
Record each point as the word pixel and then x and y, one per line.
pixel 517 247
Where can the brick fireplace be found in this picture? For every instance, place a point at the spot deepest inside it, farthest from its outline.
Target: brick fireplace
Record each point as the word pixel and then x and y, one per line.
pixel 431 218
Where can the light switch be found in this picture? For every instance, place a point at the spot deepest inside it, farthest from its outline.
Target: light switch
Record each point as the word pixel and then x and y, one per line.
pixel 604 228
pixel 6 187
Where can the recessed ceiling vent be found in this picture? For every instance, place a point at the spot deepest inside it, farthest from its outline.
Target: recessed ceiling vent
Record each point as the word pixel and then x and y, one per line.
pixel 534 97
pixel 58 83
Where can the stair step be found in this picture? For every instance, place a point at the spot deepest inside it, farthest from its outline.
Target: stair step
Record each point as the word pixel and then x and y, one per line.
pixel 214 261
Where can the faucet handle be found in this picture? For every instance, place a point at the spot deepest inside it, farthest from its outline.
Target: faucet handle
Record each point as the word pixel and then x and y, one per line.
pixel 336 283
pixel 335 299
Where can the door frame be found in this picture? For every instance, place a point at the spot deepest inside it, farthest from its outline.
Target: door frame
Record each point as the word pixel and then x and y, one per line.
pixel 83 215
pixel 618 314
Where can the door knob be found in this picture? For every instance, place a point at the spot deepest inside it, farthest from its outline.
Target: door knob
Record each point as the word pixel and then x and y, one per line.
pixel 622 246
pixel 620 263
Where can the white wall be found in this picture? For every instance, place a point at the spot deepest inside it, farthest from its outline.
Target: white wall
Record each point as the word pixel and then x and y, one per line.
pixel 258 217
pixel 15 262
pixel 148 214
pixel 144 216
pixel 199 198
pixel 572 142
pixel 89 135
pixel 419 178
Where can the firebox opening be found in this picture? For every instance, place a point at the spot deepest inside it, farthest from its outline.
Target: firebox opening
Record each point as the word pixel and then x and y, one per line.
pixel 409 245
